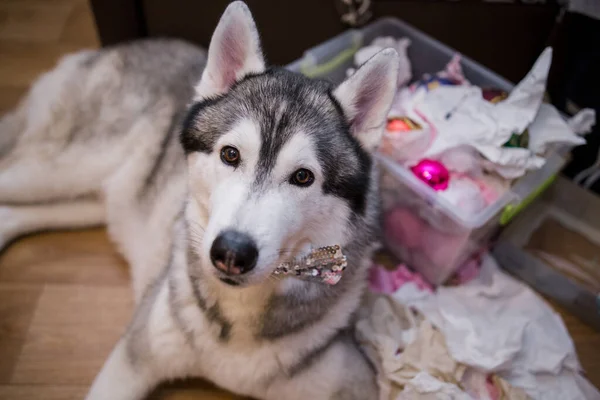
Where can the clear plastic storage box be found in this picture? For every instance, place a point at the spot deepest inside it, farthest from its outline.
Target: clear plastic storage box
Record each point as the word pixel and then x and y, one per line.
pixel 453 238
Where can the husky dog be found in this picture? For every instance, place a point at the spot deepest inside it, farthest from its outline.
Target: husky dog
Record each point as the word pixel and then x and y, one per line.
pixel 209 171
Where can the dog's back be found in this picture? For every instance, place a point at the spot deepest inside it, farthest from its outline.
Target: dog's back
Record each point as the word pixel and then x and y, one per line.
pixel 89 105
pixel 102 124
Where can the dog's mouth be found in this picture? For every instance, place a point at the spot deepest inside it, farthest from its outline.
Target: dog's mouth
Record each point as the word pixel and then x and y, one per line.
pixel 321 265
pixel 262 271
pixel 246 280
pixel 259 275
pixel 229 281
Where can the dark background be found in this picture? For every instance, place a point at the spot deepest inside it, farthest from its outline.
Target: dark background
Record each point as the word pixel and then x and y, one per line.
pixel 505 36
pixel 502 36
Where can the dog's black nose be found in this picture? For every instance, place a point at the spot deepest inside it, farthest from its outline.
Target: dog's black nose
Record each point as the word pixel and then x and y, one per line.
pixel 234 253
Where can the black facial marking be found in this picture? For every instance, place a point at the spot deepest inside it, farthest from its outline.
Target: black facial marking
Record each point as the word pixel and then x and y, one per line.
pixel 274 136
pixel 215 315
pixel 282 104
pixel 202 140
pixel 351 186
pixel 229 281
pixel 309 309
pixel 174 310
pixel 189 134
pixel 200 301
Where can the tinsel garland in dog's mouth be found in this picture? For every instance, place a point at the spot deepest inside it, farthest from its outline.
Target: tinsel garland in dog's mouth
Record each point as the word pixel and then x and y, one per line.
pixel 324 265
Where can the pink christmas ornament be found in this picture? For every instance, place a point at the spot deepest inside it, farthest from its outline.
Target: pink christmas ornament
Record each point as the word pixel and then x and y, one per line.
pixel 433 173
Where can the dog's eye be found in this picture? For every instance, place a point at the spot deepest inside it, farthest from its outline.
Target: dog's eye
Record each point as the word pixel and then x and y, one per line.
pixel 230 156
pixel 302 177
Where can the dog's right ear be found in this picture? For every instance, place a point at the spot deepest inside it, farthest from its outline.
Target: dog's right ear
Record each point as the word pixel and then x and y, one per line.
pixel 367 95
pixel 234 52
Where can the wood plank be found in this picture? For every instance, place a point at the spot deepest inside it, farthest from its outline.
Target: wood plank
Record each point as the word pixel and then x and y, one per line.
pixel 34 21
pixel 587 343
pixel 80 28
pixel 23 62
pixel 71 334
pixel 42 392
pixel 192 389
pixel 81 257
pixel 10 96
pixel 17 306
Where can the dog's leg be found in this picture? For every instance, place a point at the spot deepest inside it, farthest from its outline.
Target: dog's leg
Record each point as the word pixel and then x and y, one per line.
pixel 16 221
pixel 26 178
pixel 340 372
pixel 119 379
pixel 42 158
pixel 155 348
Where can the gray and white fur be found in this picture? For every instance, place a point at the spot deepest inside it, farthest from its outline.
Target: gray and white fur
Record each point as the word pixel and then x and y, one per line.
pixel 135 137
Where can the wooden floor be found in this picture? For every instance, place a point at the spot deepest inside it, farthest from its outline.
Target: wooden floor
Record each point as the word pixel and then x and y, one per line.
pixel 65 297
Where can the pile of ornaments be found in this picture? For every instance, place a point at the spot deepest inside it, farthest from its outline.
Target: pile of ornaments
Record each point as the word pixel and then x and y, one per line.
pixel 467 145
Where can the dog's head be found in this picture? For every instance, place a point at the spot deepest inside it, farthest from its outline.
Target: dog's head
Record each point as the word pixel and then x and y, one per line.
pixel 277 162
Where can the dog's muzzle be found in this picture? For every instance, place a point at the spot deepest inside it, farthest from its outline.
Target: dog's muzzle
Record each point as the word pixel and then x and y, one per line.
pixel 233 253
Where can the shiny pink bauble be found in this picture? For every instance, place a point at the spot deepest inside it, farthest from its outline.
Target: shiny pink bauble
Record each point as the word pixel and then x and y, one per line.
pixel 433 173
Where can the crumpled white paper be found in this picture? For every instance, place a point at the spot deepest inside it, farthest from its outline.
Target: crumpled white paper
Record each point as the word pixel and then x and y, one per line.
pixel 462 116
pixel 426 387
pixel 568 385
pixel 498 324
pixel 549 127
pixel 520 108
pixel 583 122
pixel 462 159
pixel 459 116
pixel 510 163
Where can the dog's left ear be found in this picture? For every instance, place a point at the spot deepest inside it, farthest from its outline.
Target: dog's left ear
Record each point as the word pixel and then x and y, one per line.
pixel 367 95
pixel 234 52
